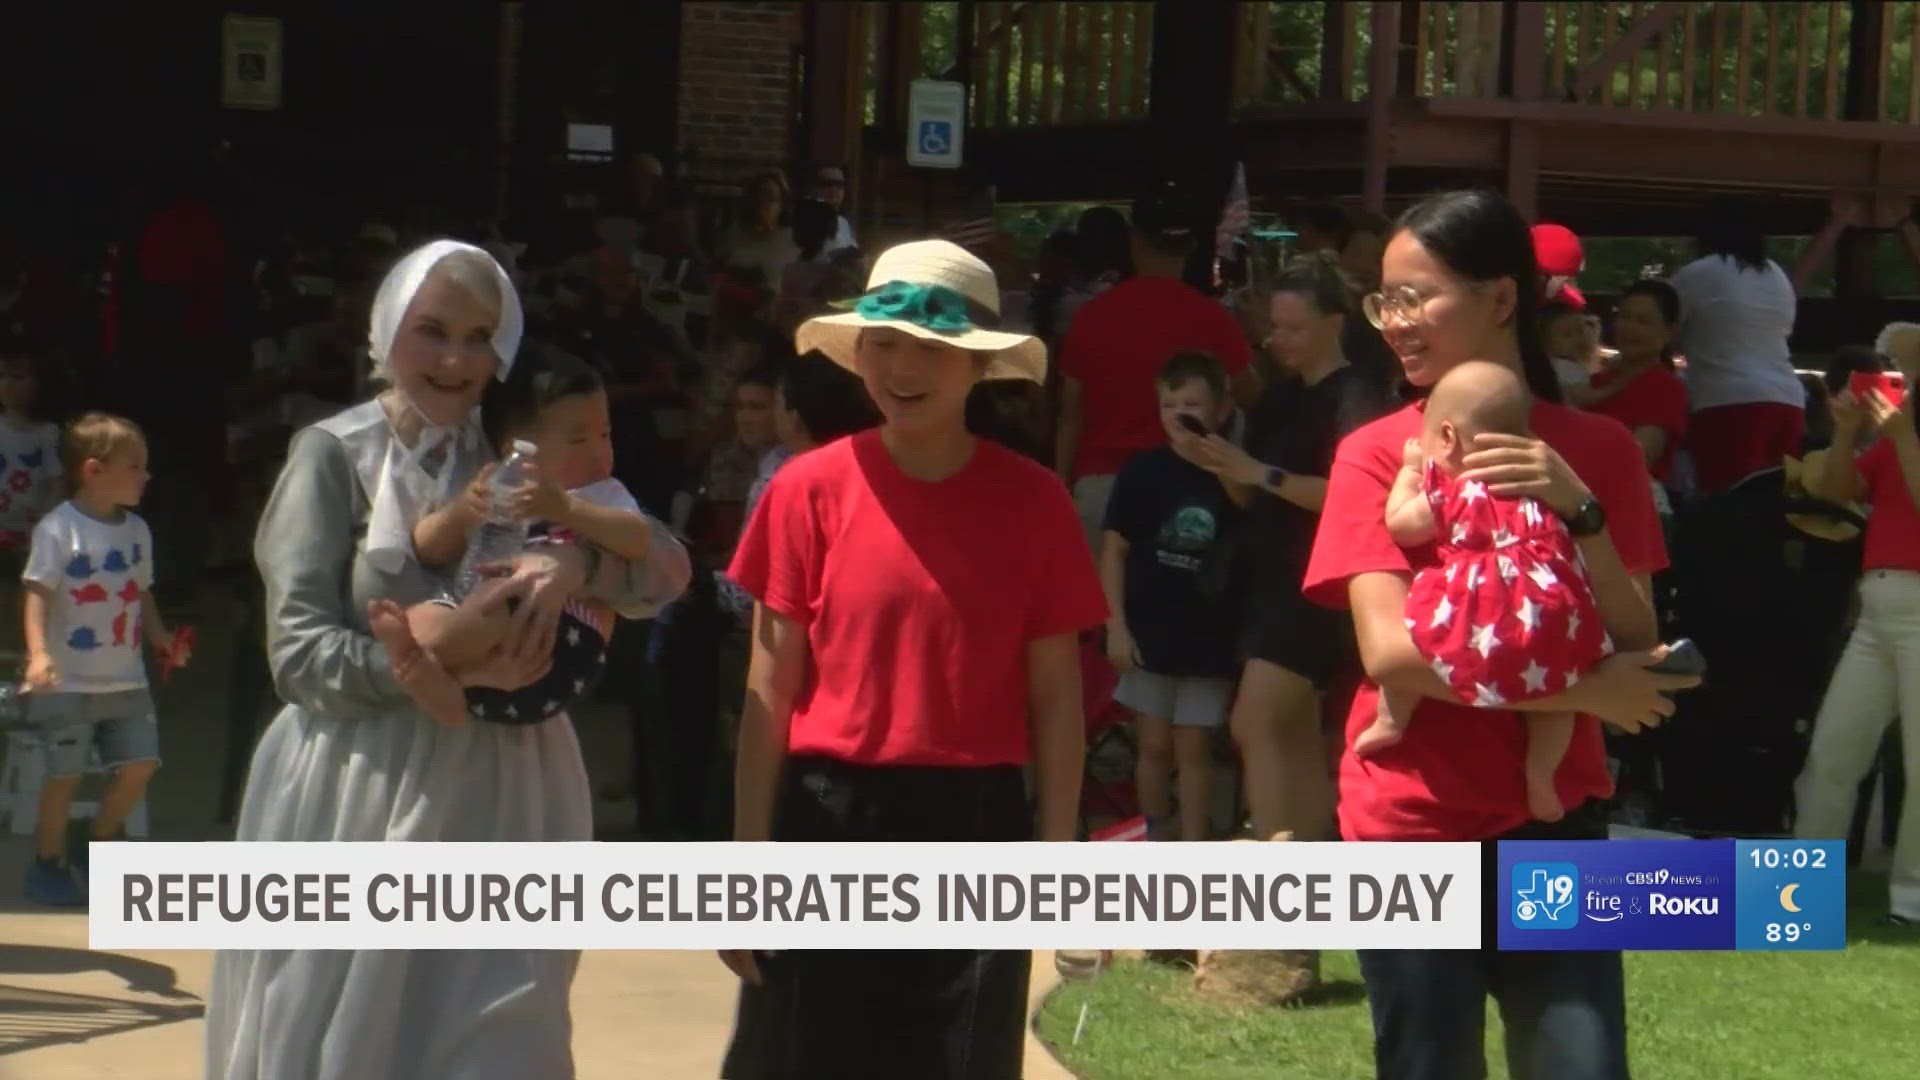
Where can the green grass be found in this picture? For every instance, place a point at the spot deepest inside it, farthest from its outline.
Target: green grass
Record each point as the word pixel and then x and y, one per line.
pixel 1690 1016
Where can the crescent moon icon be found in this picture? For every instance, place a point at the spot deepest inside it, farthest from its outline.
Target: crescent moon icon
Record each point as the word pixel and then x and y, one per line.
pixel 1786 896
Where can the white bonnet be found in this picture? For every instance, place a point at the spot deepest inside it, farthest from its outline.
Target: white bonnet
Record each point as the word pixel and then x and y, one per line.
pixel 404 280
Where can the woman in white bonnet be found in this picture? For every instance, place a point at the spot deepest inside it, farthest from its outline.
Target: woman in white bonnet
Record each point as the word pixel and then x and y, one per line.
pixel 350 758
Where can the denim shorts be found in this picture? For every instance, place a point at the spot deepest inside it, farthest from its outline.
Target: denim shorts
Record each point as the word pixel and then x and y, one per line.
pixel 120 724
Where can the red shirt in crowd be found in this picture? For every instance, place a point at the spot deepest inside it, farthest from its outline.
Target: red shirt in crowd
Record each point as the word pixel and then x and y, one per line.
pixel 1893 530
pixel 1115 349
pixel 1655 398
pixel 1459 774
pixel 919 599
pixel 184 248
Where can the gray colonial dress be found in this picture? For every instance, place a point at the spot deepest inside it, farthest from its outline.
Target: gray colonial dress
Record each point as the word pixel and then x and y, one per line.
pixel 350 758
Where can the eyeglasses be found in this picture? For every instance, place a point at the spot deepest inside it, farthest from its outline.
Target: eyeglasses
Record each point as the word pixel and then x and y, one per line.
pixel 1403 302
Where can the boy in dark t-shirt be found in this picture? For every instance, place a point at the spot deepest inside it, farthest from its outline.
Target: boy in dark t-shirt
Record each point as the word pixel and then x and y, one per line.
pixel 1170 630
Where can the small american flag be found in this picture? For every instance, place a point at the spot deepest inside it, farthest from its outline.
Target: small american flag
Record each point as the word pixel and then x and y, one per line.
pixel 1236 217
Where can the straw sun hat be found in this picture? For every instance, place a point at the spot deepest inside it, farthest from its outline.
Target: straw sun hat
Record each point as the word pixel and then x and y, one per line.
pixel 932 289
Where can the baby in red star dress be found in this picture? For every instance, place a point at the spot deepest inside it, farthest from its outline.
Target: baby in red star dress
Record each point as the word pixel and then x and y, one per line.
pixel 1507 615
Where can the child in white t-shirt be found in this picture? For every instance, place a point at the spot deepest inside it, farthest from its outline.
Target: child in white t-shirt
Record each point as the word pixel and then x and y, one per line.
pixel 29 451
pixel 558 403
pixel 88 606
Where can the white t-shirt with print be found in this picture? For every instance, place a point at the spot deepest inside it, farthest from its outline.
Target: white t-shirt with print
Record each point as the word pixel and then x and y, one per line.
pixel 29 478
pixel 95 572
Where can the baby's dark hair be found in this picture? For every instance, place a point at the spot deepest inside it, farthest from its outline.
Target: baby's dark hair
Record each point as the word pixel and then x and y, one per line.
pixel 1185 367
pixel 542 376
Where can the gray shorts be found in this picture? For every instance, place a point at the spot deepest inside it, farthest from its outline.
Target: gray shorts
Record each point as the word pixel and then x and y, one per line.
pixel 1181 701
pixel 120 724
pixel 1090 495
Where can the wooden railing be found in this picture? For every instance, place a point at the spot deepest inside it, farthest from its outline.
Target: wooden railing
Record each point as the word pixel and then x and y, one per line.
pixel 1060 63
pixel 1741 59
pixel 1788 60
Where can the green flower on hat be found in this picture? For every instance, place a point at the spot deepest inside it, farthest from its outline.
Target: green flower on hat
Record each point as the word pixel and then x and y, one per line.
pixel 931 307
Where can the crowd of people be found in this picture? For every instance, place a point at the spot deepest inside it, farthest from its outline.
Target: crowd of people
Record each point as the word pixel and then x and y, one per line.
pixel 1412 478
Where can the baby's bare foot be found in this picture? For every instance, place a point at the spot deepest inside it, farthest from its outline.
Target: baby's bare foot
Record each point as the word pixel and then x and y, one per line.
pixel 430 685
pixel 1376 738
pixel 1542 800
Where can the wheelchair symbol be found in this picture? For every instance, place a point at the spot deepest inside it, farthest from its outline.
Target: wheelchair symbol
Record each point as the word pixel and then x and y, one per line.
pixel 936 137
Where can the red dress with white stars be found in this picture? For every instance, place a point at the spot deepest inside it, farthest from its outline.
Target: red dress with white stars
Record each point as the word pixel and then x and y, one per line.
pixel 1508 614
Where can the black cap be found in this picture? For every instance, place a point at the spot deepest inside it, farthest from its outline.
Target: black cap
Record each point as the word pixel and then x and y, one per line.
pixel 1166 210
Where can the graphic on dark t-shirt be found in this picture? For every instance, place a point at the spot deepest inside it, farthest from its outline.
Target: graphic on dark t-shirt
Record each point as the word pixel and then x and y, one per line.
pixel 1172 513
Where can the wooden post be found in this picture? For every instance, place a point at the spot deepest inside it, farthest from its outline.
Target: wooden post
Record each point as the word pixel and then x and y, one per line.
pixel 1336 51
pixel 1526 49
pixel 1192 85
pixel 1382 69
pixel 833 94
pixel 1853 271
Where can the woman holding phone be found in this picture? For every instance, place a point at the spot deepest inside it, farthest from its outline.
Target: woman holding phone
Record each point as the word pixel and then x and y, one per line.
pixel 1878 676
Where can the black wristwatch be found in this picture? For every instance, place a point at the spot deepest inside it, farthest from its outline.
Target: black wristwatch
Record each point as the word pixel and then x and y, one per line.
pixel 1275 477
pixel 1589 520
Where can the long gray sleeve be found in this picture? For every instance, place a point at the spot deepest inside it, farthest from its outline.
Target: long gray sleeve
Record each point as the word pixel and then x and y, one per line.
pixel 639 590
pixel 305 550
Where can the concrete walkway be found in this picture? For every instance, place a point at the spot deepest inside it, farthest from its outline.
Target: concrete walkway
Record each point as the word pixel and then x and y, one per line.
pixel 67 1013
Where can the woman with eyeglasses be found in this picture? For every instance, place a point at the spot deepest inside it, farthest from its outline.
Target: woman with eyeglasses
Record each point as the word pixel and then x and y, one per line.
pixel 1459 283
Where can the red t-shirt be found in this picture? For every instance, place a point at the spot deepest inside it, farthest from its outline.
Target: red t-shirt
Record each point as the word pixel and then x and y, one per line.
pixel 1655 398
pixel 919 599
pixel 1893 530
pixel 1459 774
pixel 1115 348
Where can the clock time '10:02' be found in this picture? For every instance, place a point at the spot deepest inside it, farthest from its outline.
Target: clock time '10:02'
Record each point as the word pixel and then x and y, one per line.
pixel 1799 858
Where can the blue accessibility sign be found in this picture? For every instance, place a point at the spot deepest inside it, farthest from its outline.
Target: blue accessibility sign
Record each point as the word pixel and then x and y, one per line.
pixel 936 137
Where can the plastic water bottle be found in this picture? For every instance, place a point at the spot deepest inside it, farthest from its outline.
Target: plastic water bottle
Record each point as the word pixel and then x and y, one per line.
pixel 499 537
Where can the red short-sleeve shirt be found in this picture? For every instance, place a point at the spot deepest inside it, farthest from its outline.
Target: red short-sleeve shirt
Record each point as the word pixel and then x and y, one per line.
pixel 919 599
pixel 1459 774
pixel 1115 348
pixel 1655 398
pixel 1893 531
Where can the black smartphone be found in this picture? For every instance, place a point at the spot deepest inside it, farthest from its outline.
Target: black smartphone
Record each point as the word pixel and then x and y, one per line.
pixel 1683 658
pixel 1194 425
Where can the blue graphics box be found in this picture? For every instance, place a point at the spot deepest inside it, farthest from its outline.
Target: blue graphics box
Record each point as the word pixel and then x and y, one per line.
pixel 1747 895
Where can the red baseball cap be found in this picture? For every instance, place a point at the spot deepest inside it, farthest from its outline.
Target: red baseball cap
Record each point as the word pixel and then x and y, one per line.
pixel 1559 255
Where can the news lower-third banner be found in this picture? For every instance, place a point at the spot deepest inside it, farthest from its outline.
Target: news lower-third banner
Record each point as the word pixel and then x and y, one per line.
pixel 1602 895
pixel 783 896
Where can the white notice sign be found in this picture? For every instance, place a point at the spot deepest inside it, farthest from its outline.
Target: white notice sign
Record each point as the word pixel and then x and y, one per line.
pixel 250 63
pixel 936 123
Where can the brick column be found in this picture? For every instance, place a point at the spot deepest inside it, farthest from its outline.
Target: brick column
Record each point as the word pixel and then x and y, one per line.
pixel 736 87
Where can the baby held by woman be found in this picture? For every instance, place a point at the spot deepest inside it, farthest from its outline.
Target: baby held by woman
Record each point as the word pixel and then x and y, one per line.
pixel 558 403
pixel 1507 614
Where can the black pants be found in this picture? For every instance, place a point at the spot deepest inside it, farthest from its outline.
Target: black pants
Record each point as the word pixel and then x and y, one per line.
pixel 888 1015
pixel 1564 1012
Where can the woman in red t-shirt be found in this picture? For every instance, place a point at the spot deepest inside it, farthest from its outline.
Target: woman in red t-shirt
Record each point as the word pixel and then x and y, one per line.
pixel 1879 673
pixel 1639 388
pixel 1459 283
pixel 920 594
